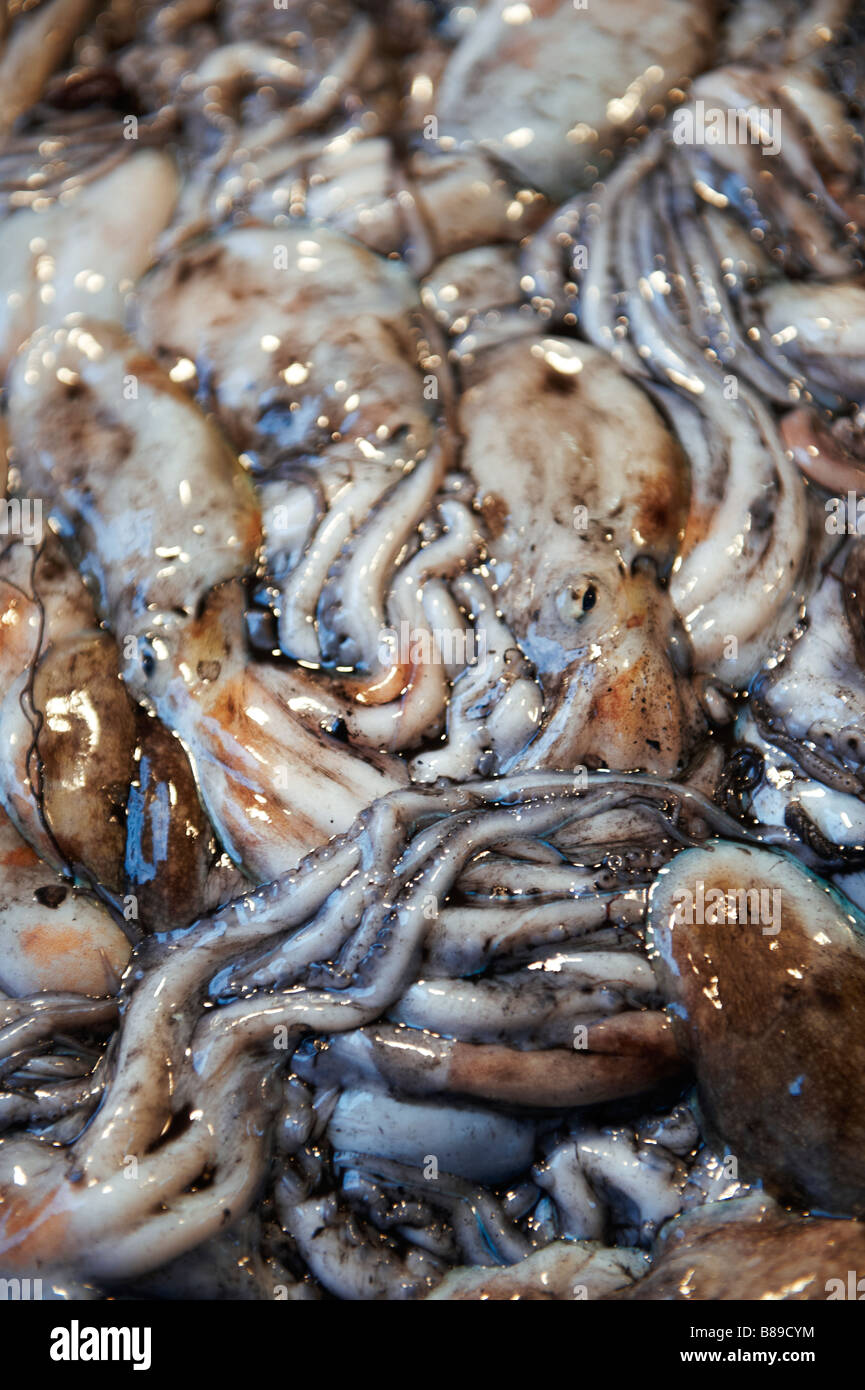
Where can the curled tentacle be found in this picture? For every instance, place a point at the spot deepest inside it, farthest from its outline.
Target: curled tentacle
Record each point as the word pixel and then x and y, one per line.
pixel 350 633
pixel 496 705
pixel 195 1068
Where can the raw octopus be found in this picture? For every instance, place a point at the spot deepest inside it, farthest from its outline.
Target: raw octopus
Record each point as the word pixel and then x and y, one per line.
pixel 96 786
pixel 151 597
pixel 431 650
pixel 262 964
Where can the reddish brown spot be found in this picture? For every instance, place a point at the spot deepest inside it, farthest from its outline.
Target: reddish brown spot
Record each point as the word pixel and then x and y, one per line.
pixel 44 943
pixel 225 707
pixel 494 510
pixel 21 858
pixel 615 703
pixel 662 504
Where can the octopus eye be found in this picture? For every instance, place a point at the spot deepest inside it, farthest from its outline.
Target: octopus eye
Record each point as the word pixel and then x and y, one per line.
pixel 575 601
pixel 148 658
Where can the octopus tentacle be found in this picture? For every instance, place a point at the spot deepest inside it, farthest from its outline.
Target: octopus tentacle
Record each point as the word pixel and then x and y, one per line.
pixel 182 1071
pixel 496 705
pixel 350 635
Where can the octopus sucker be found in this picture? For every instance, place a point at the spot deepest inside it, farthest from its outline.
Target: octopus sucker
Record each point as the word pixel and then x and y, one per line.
pixel 432 650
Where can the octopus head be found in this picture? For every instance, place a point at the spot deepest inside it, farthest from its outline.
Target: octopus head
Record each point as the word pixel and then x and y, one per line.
pixel 584 494
pixel 613 664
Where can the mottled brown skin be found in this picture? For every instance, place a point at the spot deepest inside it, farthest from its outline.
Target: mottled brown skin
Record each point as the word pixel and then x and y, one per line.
pixel 768 1255
pixel 85 746
pixel 349 319
pixel 775 1025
